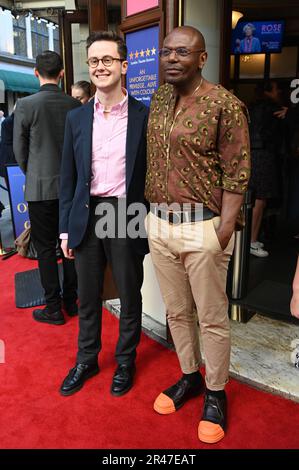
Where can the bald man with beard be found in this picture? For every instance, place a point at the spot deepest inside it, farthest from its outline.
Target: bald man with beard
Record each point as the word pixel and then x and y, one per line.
pixel 197 174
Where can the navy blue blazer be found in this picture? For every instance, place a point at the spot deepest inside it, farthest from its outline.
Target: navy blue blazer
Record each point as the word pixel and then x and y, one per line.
pixel 76 169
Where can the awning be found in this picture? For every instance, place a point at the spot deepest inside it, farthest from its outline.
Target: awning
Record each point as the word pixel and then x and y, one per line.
pixel 17 81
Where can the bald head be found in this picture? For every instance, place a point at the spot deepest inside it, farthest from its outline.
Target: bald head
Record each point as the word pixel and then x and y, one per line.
pixel 185 57
pixel 192 35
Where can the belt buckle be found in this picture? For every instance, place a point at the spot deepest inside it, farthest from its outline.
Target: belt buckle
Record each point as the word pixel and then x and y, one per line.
pixel 171 215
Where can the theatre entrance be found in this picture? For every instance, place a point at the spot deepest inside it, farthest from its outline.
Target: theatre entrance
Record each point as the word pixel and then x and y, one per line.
pixel 255 284
pixel 263 284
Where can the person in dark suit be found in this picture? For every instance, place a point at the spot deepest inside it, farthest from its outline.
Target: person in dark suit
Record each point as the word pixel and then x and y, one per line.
pixel 2 117
pixel 103 167
pixel 37 143
pixel 6 150
pixel 294 306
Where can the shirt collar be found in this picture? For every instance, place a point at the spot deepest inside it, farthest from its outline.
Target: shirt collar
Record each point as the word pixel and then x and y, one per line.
pixel 118 108
pixel 49 87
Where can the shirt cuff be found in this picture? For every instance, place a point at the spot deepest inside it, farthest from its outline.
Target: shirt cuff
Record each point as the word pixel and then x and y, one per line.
pixel 64 236
pixel 234 186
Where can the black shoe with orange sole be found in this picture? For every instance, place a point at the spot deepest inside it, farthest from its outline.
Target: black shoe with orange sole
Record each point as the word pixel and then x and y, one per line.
pixel 212 425
pixel 174 397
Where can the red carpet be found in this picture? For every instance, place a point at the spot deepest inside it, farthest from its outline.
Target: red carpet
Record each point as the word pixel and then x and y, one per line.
pixel 34 415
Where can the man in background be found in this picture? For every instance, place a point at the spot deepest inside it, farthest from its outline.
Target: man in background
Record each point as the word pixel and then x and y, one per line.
pixel 37 143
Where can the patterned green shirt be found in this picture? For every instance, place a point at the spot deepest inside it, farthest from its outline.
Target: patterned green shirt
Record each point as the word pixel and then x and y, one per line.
pixel 199 153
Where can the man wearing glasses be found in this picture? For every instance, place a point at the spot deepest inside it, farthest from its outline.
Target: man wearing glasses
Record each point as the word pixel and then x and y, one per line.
pixel 197 173
pixel 103 168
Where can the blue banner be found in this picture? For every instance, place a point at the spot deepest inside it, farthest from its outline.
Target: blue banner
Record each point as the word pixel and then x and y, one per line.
pixel 143 57
pixel 18 205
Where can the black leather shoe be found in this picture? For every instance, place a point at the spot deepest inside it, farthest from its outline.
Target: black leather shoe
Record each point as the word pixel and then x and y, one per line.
pixel 76 377
pixel 44 316
pixel 71 309
pixel 123 379
pixel 174 397
pixel 213 422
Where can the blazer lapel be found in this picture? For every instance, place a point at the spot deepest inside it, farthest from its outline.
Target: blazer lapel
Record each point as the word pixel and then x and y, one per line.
pixel 134 132
pixel 86 123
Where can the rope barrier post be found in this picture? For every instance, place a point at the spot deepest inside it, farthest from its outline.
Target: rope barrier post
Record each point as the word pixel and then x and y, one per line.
pixel 240 265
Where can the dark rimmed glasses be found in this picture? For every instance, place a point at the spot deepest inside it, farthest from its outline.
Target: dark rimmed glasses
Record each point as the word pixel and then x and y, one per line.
pixel 179 52
pixel 107 61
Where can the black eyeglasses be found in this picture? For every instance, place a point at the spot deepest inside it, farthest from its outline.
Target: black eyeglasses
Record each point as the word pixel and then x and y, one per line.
pixel 179 51
pixel 107 60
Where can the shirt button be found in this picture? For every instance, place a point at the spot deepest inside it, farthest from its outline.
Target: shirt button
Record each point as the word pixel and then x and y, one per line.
pixel 87 184
pixel 86 205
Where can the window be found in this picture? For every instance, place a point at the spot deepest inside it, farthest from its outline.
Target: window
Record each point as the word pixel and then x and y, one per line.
pixel 114 14
pixel 19 35
pixel 285 63
pixel 56 40
pixel 39 36
pixel 252 66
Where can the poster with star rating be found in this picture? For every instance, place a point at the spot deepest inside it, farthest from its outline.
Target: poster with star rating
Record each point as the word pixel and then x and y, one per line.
pixel 143 70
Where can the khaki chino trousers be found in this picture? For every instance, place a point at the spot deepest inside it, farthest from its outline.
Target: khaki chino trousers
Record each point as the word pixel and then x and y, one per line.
pixel 192 269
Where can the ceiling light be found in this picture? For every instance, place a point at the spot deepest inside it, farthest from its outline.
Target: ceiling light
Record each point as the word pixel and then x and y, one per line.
pixel 236 15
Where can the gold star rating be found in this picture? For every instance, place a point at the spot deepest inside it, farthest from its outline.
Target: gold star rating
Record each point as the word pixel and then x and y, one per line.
pixel 142 53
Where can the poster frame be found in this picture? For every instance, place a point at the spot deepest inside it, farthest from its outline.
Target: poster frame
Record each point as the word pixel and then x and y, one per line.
pixel 136 17
pixel 8 182
pixel 144 20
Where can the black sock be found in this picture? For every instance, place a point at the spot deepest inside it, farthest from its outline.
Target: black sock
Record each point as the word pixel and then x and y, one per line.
pixel 218 393
pixel 194 378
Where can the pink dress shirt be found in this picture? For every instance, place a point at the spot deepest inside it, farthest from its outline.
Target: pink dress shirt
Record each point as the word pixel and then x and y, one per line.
pixel 108 165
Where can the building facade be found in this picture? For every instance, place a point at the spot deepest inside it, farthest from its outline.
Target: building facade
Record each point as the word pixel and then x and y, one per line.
pixel 23 37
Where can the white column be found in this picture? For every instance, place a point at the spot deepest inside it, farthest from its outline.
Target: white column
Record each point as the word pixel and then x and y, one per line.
pixel 6 35
pixel 28 37
pixel 79 35
pixel 205 15
pixel 51 38
pixel 70 5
